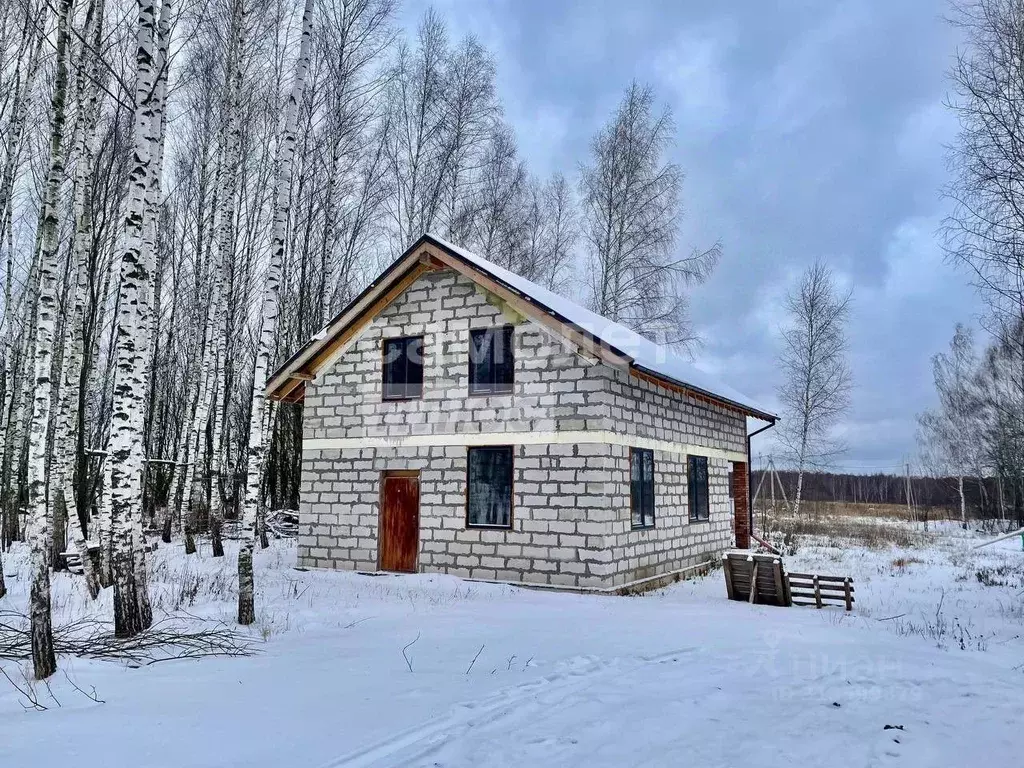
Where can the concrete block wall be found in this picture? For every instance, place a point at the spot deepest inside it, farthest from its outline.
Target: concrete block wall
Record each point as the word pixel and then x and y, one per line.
pixel 648 410
pixel 554 389
pixel 571 502
pixel 560 514
pixel 643 408
pixel 675 542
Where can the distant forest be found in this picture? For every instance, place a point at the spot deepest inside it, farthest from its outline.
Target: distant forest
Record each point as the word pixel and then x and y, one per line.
pixel 982 497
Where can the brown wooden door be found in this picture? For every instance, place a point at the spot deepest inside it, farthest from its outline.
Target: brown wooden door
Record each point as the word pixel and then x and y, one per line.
pixel 399 529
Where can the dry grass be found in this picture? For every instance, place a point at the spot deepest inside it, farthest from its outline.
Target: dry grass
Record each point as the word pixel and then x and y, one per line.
pixel 834 509
pixel 874 526
pixel 840 531
pixel 902 563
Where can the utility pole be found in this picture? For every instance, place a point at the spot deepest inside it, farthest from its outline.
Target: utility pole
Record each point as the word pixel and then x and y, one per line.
pixel 910 498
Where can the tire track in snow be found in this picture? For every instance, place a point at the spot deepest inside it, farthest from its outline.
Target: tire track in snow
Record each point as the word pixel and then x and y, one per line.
pixel 417 743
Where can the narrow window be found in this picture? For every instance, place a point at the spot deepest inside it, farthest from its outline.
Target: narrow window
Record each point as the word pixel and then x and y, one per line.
pixel 403 368
pixel 490 360
pixel 489 492
pixel 697 480
pixel 641 486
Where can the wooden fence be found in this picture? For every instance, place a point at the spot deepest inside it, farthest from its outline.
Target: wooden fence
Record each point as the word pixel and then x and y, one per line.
pixel 761 578
pixel 819 591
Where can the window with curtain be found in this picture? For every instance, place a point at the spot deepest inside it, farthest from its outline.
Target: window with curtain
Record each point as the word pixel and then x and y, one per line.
pixel 489 489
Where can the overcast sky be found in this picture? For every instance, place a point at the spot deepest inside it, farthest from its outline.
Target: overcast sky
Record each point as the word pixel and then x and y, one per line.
pixel 806 129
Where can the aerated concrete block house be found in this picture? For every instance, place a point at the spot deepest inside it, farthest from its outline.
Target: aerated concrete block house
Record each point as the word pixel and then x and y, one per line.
pixel 461 419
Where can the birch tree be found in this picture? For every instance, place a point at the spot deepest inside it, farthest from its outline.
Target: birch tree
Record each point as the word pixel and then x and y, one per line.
pixel 70 419
pixel 43 659
pixel 163 297
pixel 630 220
pixel 950 434
pixel 982 233
pixel 126 453
pixel 816 377
pixel 269 312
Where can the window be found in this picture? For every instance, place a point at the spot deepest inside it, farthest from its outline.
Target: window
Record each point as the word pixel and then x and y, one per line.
pixel 489 492
pixel 403 368
pixel 490 360
pixel 697 482
pixel 641 487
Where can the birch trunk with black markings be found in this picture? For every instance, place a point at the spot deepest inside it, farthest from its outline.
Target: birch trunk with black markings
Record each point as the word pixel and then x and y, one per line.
pixel 70 420
pixel 44 661
pixel 126 451
pixel 266 339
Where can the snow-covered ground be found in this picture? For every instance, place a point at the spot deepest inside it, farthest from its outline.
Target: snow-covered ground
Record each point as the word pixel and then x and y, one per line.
pixel 501 676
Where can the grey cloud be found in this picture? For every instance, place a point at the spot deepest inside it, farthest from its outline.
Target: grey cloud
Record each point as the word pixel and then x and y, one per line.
pixel 806 130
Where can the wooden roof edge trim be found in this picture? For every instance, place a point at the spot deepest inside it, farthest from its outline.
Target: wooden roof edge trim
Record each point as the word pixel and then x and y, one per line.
pixel 298 363
pixel 338 341
pixel 698 394
pixel 290 385
pixel 296 395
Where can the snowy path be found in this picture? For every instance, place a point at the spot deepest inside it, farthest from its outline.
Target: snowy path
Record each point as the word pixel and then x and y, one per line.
pixel 507 710
pixel 707 708
pixel 681 677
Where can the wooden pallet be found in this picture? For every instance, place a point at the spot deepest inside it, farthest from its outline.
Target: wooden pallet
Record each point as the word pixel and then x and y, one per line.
pixel 773 586
pixel 819 591
pixel 765 572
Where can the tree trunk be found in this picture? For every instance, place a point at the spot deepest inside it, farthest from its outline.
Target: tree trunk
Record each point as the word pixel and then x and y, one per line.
pixel 231 141
pixel 268 329
pixel 963 501
pixel 43 659
pixel 103 525
pixel 799 491
pixel 65 439
pixel 92 577
pixel 126 459
pixel 15 131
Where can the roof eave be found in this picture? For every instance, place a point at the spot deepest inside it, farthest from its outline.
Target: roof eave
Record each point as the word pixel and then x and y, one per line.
pixel 746 409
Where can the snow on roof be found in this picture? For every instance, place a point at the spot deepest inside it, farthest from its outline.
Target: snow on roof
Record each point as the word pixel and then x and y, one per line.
pixel 656 358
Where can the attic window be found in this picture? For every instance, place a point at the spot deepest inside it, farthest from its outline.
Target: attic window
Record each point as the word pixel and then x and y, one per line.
pixel 403 368
pixel 490 361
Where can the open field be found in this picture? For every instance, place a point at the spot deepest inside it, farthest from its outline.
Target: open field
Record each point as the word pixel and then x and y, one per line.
pixel 353 670
pixel 869 525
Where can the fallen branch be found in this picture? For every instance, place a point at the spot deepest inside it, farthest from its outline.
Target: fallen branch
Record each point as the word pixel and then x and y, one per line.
pixel 29 693
pixel 91 696
pixel 169 638
pixel 765 544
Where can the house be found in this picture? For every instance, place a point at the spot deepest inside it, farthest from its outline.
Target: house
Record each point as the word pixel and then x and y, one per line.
pixel 461 419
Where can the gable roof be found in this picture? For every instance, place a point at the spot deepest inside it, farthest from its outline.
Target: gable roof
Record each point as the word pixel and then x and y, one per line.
pixel 603 338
